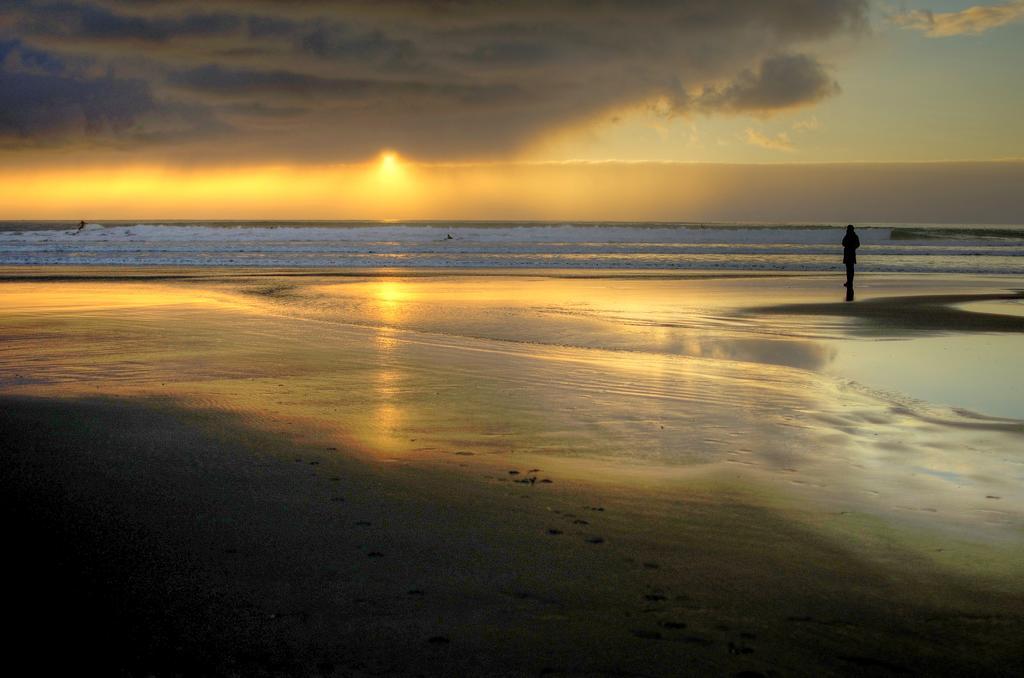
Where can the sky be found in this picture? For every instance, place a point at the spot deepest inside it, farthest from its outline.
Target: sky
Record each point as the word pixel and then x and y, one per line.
pixel 717 110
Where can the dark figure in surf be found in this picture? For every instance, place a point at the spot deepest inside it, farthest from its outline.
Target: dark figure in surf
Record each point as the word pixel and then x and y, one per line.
pixel 850 244
pixel 81 225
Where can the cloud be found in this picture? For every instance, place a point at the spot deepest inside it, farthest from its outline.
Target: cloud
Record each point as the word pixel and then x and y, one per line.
pixel 807 125
pixel 779 142
pixel 779 82
pixel 49 101
pixel 39 102
pixel 970 21
pixel 466 79
pixel 216 81
pixel 54 105
pixel 87 22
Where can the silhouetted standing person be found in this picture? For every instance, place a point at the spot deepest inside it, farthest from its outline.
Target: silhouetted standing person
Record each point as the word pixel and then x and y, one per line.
pixel 850 244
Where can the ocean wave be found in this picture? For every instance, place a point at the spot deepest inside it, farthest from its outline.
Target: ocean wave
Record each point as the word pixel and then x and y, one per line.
pixel 910 248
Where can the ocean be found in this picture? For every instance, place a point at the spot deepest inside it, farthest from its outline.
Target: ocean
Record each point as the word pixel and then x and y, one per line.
pixel 911 248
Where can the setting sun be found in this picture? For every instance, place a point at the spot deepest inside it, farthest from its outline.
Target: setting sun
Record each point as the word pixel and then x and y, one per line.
pixel 389 167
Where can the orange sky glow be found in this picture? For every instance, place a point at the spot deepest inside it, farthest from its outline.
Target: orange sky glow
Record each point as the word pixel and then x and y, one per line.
pixel 393 188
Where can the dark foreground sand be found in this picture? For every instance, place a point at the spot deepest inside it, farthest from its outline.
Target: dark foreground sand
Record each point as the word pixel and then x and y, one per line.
pixel 150 540
pixel 154 534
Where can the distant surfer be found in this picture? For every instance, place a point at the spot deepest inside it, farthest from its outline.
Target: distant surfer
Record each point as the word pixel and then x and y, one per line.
pixel 449 237
pixel 850 244
pixel 81 225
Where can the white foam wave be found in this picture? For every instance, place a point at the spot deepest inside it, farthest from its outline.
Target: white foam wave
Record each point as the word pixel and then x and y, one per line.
pixel 641 246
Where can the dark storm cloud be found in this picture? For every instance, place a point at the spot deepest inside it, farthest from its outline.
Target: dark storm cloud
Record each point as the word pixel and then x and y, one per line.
pixel 215 81
pixel 96 23
pixel 327 40
pixel 513 53
pixel 263 27
pixel 779 82
pixel 41 100
pixel 51 100
pixel 258 110
pixel 447 78
pixel 54 107
pixel 19 57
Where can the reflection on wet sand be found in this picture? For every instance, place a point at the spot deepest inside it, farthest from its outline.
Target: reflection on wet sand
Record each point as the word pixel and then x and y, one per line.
pixel 657 375
pixel 622 315
pixel 667 401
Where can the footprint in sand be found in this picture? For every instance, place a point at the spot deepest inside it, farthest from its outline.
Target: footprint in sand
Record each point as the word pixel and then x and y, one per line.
pixel 595 540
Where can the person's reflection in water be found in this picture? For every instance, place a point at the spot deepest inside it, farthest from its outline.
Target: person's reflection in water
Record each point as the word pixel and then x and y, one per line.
pixel 850 244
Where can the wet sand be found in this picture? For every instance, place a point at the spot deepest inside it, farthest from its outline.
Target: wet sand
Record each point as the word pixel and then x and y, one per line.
pixel 940 312
pixel 226 473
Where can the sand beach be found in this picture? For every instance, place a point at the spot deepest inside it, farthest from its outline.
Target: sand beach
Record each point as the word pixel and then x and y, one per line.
pixel 239 472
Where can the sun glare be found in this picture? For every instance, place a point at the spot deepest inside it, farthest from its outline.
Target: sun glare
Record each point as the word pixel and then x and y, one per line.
pixel 389 166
